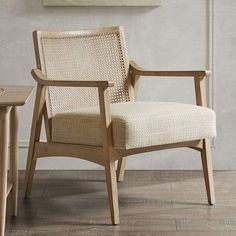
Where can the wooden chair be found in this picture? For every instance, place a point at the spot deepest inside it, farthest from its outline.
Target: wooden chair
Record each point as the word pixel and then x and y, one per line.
pixel 86 92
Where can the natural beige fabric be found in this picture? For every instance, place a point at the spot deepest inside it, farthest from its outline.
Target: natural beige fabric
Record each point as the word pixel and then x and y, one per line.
pixel 86 55
pixel 136 124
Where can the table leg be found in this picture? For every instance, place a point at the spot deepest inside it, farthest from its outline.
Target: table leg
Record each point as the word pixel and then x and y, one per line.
pixel 3 166
pixel 14 158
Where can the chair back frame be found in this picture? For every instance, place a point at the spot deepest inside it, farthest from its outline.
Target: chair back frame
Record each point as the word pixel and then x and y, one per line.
pixel 37 38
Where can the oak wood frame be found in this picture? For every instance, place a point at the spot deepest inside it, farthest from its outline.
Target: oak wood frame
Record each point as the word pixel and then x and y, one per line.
pixel 106 155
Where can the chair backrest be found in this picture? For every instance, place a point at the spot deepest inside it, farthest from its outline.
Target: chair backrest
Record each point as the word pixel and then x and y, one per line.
pixel 98 54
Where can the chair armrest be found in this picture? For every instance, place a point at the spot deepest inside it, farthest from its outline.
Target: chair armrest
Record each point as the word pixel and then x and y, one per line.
pixel 200 91
pixel 43 80
pixel 142 72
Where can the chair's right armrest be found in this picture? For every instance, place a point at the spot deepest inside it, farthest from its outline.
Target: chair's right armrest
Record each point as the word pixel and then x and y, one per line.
pixel 43 80
pixel 136 69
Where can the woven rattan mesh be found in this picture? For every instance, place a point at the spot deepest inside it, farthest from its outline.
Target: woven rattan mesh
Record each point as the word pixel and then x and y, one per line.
pixel 91 56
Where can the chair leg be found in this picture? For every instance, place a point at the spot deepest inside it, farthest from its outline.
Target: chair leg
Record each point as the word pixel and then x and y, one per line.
pixel 207 171
pixel 31 162
pixel 121 169
pixel 112 191
pixel 29 175
pixel 34 137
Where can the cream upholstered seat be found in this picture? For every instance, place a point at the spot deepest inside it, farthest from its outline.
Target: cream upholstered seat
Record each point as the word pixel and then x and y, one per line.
pixel 86 95
pixel 136 124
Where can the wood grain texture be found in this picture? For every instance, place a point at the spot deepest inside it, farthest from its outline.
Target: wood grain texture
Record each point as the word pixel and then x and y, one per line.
pixel 200 91
pixel 121 169
pixel 85 152
pixel 143 72
pixel 14 133
pixel 3 166
pixel 42 79
pixel 34 137
pixel 11 97
pixel 208 171
pixel 110 169
pixel 197 144
pixel 165 203
pixel 15 95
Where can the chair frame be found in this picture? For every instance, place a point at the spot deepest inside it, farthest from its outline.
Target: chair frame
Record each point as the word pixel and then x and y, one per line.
pixel 107 155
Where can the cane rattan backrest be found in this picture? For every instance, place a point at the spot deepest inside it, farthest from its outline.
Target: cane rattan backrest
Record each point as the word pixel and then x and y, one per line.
pixel 83 55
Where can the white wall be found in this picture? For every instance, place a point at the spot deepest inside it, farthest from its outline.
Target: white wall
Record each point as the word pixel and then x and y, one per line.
pixel 171 37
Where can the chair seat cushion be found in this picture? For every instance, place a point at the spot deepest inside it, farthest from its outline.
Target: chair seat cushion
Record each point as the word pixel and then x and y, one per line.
pixel 136 124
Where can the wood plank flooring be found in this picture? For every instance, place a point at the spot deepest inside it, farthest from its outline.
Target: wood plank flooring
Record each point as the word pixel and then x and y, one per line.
pixel 165 203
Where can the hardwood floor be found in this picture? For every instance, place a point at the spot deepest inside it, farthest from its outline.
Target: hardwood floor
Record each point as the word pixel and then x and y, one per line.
pixel 165 203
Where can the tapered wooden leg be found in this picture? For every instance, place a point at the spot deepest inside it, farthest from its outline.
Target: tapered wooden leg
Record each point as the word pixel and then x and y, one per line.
pixel 3 167
pixel 30 169
pixel 110 170
pixel 14 158
pixel 31 163
pixel 110 167
pixel 208 172
pixel 34 137
pixel 121 169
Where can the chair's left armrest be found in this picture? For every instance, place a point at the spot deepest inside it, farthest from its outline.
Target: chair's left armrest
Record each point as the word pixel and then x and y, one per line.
pixel 43 80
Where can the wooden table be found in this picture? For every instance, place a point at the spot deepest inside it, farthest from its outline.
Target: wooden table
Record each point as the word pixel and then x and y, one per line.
pixel 10 98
